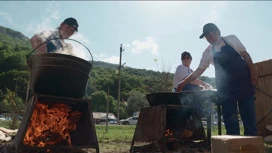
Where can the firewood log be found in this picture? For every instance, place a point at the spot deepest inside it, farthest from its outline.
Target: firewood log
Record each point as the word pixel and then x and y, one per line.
pixel 5 130
pixel 4 137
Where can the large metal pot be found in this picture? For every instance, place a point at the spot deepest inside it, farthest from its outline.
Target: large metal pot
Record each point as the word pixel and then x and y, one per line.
pixel 59 74
pixel 180 98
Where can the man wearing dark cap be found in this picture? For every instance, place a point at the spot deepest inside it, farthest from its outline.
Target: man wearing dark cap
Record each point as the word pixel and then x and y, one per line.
pixel 235 79
pixel 183 71
pixel 66 29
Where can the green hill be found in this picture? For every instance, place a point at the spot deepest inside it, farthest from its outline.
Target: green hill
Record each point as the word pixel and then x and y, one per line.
pixel 13 38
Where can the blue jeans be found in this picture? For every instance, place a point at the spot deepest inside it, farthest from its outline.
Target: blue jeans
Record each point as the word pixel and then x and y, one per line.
pixel 247 112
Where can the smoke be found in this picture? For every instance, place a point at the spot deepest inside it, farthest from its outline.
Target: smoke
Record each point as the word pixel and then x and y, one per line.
pixel 78 50
pixel 69 47
pixel 44 35
pixel 66 49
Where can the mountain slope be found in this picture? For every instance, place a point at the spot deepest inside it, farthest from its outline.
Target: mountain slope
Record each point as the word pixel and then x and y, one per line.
pixel 13 38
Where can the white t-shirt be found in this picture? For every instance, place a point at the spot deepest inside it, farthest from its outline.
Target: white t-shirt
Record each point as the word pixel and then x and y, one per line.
pixel 207 56
pixel 181 73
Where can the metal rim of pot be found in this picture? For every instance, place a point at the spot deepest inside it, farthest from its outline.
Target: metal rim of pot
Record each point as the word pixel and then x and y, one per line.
pixel 61 38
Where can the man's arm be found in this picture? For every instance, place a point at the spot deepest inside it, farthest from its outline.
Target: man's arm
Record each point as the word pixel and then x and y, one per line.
pixel 249 63
pixel 190 78
pixel 201 83
pixel 35 42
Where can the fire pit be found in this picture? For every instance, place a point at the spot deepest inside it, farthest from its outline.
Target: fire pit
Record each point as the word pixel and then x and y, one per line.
pixel 173 119
pixel 55 119
pixel 52 124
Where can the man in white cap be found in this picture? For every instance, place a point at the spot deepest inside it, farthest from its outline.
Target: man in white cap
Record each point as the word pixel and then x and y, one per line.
pixel 235 79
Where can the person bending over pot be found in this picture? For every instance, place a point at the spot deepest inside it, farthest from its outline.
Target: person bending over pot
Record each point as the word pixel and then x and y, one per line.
pixel 66 29
pixel 235 79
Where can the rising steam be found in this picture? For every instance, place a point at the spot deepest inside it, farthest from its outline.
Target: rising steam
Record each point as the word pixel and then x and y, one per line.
pixel 69 47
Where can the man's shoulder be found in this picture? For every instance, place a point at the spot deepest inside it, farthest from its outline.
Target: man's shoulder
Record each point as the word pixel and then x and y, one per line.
pixel 230 38
pixel 208 49
pixel 46 33
pixel 181 67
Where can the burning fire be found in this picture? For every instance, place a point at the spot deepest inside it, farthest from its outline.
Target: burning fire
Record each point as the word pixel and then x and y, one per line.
pixel 169 134
pixel 51 124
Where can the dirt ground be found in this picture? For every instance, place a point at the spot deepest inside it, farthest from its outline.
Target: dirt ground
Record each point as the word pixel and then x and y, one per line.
pixel 172 148
pixel 112 147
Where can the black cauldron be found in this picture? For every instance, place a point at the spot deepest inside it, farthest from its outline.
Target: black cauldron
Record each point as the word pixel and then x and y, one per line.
pixel 59 74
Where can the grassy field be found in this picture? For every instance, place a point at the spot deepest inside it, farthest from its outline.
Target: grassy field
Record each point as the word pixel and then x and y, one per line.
pixel 119 137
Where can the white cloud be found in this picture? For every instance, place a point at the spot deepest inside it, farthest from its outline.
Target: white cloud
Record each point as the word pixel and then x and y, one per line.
pixel 126 45
pixel 99 57
pixel 112 59
pixel 102 57
pixel 7 17
pixel 149 45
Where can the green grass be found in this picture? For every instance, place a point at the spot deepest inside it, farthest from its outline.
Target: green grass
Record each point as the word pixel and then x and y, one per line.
pixel 214 130
pixel 9 124
pixel 116 133
pixel 4 124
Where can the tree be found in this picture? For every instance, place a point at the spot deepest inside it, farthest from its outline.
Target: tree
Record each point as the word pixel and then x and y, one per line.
pixel 136 101
pixel 10 103
pixel 99 102
pixel 165 80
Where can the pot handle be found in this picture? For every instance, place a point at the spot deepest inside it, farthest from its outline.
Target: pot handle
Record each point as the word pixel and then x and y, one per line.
pixel 60 38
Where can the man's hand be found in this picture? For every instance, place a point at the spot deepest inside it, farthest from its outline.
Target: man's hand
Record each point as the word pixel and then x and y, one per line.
pixel 207 86
pixel 35 42
pixel 180 86
pixel 42 49
pixel 190 78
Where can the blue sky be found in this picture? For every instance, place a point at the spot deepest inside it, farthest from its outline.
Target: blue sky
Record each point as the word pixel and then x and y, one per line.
pixel 148 30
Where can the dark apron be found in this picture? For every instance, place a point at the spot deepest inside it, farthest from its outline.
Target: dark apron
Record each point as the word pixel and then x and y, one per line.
pixel 53 45
pixel 232 74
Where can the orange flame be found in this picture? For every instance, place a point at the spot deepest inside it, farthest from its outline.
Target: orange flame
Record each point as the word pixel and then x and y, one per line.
pixel 51 124
pixel 168 133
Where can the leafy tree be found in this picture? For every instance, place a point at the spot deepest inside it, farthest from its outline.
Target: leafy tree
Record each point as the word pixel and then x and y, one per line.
pixel 99 102
pixel 136 101
pixel 10 103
